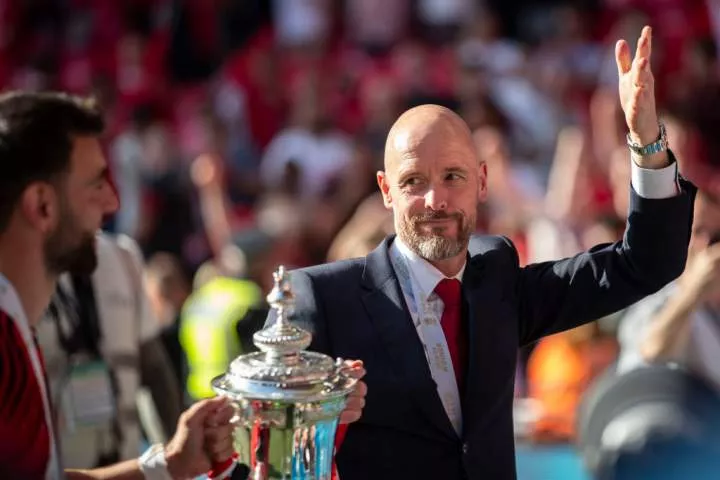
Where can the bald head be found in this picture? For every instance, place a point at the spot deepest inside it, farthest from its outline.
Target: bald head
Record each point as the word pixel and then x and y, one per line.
pixel 426 127
pixel 433 182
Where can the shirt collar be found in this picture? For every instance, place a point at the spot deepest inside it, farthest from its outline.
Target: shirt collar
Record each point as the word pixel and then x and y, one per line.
pixel 425 274
pixel 11 305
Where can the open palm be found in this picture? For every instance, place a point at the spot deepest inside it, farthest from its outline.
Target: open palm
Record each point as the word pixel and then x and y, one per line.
pixel 637 88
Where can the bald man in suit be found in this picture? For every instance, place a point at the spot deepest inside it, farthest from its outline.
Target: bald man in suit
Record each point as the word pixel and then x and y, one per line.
pixel 436 314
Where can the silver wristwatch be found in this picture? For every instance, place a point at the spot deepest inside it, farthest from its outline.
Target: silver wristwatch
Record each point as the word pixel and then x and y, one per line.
pixel 659 145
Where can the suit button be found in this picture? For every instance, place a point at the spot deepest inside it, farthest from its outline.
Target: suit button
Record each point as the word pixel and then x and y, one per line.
pixel 465 448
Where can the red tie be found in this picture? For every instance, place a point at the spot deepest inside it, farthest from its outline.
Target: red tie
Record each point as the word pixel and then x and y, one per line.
pixel 449 292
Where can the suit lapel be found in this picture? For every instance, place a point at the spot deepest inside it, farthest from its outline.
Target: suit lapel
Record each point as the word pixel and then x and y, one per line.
pixel 482 293
pixel 474 296
pixel 388 312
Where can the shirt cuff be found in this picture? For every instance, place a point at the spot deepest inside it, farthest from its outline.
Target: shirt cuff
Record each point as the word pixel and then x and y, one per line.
pixel 655 183
pixel 153 465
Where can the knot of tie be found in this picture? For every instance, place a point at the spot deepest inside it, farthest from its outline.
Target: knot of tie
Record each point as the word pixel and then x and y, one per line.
pixel 449 292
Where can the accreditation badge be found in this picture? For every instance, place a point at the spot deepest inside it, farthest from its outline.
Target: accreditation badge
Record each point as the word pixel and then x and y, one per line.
pixel 88 396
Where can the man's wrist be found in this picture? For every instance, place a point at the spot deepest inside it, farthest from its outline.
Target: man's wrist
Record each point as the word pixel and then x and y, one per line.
pixel 173 462
pixel 690 296
pixel 656 161
pixel 647 137
pixel 649 148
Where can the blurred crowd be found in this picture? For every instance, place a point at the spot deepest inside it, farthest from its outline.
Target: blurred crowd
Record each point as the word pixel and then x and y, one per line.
pixel 246 134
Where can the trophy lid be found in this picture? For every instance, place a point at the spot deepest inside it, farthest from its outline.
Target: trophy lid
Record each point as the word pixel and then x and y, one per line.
pixel 282 370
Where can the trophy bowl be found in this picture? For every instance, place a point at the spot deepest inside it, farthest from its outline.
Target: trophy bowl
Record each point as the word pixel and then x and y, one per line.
pixel 288 400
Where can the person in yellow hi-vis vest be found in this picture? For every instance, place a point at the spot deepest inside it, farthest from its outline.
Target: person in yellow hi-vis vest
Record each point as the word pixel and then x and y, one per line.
pixel 215 327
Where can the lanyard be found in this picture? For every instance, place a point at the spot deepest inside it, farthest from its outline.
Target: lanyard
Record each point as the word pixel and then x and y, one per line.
pixel 76 318
pixel 426 315
pixel 81 340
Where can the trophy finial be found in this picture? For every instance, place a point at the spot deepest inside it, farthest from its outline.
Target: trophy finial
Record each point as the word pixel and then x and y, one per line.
pixel 281 297
pixel 282 338
pixel 279 274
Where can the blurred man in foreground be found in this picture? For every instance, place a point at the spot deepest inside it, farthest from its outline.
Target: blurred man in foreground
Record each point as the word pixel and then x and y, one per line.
pixel 54 193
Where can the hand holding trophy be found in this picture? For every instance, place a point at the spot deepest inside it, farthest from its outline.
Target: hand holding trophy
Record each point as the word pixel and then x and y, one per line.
pixel 290 401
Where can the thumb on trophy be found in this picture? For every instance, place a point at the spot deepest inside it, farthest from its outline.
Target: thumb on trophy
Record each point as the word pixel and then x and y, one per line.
pixel 354 368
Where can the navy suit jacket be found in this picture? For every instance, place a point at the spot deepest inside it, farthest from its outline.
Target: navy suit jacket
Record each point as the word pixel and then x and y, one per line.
pixel 355 310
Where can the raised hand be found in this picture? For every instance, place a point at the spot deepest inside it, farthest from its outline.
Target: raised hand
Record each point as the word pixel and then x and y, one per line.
pixel 637 89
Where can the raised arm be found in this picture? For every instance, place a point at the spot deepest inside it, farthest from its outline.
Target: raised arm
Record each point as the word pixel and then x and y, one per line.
pixel 560 295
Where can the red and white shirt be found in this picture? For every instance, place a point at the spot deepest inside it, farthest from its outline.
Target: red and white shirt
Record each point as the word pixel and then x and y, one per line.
pixel 27 441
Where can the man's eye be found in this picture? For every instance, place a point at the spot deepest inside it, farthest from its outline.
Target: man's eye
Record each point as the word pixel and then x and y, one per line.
pixel 454 177
pixel 411 182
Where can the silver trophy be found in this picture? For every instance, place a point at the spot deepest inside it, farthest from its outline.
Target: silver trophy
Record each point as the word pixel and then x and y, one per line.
pixel 288 400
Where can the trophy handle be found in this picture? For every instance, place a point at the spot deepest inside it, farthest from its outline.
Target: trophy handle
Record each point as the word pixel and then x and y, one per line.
pixel 260 467
pixel 340 377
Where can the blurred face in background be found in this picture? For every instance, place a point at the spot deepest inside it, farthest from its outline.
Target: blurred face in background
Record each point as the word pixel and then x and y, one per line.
pixel 379 102
pixel 310 109
pixel 433 182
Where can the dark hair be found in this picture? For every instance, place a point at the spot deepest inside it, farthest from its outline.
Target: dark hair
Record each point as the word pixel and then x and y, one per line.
pixel 36 134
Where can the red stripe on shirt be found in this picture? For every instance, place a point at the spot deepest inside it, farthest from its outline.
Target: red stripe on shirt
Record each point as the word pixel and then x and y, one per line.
pixel 24 434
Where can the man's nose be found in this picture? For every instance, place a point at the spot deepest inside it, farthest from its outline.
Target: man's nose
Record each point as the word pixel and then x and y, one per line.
pixel 436 198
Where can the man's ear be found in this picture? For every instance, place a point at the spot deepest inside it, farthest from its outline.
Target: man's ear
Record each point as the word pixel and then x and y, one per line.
pixel 482 183
pixel 384 189
pixel 40 207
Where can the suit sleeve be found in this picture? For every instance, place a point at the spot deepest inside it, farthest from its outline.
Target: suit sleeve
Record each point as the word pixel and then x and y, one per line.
pixel 306 314
pixel 560 295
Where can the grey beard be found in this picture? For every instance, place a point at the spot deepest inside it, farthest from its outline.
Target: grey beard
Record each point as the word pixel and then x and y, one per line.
pixel 436 247
pixel 433 247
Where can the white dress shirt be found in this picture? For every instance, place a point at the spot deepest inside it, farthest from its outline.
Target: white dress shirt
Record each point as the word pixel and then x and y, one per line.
pixel 655 183
pixel 426 275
